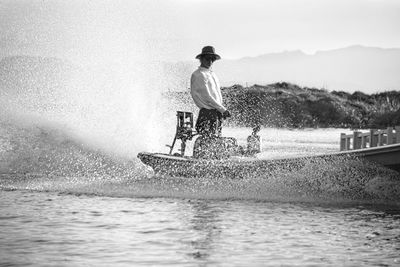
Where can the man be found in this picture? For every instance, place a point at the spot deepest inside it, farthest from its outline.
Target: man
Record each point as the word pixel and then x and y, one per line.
pixel 206 93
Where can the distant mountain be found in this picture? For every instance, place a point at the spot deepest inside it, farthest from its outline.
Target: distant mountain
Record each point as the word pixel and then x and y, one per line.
pixel 354 68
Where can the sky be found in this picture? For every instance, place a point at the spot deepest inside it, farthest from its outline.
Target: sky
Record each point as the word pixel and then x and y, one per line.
pixel 178 29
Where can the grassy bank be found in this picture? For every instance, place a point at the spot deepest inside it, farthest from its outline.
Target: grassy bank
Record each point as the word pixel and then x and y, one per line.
pixel 289 105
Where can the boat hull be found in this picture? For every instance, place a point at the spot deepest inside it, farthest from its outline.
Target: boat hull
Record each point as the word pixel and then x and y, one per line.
pixel 189 167
pixel 388 156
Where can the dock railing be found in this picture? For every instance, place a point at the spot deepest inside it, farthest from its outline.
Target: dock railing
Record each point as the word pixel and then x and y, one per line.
pixel 373 138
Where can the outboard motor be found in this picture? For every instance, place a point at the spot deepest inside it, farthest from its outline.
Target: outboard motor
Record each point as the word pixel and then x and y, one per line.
pixel 184 130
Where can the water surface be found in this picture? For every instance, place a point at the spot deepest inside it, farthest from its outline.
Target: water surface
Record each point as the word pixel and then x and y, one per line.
pixel 66 205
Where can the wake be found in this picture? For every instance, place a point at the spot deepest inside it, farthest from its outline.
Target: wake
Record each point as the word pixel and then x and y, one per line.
pixel 43 158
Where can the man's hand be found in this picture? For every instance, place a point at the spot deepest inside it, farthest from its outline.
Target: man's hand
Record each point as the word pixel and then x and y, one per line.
pixel 226 114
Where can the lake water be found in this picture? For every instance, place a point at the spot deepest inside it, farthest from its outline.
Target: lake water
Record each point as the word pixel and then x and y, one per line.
pixel 66 205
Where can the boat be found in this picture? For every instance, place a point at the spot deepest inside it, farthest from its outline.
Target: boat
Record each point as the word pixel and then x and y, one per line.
pixel 165 164
pixel 180 165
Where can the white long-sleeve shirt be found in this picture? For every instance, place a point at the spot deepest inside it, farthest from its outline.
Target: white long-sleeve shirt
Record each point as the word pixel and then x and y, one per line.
pixel 205 90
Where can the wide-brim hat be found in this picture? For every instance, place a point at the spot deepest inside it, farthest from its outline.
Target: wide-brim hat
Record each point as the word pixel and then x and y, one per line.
pixel 208 50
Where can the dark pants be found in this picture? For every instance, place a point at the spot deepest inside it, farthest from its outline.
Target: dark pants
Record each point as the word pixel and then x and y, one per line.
pixel 209 123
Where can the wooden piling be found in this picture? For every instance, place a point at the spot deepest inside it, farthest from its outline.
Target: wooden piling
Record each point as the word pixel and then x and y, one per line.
pixel 364 140
pixel 373 139
pixel 397 135
pixel 390 136
pixel 342 141
pixel 348 143
pixel 356 140
pixel 380 138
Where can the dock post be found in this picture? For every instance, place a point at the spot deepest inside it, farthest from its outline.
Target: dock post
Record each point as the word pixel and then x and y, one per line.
pixel 380 138
pixel 373 140
pixel 356 140
pixel 397 129
pixel 342 141
pixel 348 139
pixel 364 141
pixel 390 136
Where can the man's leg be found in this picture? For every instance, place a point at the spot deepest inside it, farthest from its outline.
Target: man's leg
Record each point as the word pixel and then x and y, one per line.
pixel 208 125
pixel 209 122
pixel 215 123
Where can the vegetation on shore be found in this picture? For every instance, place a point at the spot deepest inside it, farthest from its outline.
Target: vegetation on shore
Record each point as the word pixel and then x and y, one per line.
pixel 288 105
